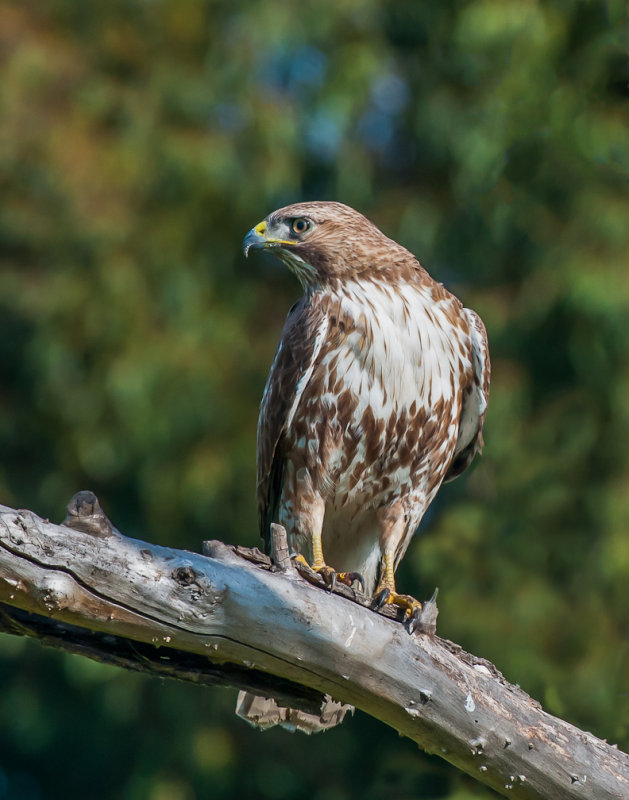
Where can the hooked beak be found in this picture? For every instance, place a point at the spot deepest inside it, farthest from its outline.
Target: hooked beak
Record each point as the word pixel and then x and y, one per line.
pixel 257 237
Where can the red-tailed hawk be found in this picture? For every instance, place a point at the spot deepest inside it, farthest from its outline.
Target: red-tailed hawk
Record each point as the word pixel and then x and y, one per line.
pixel 377 395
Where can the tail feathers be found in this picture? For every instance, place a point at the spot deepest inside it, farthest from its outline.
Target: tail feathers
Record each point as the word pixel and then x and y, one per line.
pixel 264 712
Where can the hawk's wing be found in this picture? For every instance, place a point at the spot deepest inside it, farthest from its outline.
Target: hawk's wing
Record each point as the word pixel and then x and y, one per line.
pixel 300 343
pixel 474 407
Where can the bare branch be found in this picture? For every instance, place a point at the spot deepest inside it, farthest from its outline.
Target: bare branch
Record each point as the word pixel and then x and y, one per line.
pixel 233 617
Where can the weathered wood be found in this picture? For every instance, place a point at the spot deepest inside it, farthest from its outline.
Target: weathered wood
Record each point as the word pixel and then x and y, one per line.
pixel 223 618
pixel 280 553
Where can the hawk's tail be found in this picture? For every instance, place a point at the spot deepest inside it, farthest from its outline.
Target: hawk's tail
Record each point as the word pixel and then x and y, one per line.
pixel 264 712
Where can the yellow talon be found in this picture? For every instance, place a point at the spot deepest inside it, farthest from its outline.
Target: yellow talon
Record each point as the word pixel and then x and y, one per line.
pixel 410 605
pixel 349 578
pixel 299 559
pixel 329 575
pixel 386 594
pixel 321 568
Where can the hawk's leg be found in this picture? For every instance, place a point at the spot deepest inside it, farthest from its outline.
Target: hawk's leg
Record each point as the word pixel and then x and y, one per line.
pixel 303 510
pixel 393 530
pixel 329 575
pixel 386 594
pixel 318 564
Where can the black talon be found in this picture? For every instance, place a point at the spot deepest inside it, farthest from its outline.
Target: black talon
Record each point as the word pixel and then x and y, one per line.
pixel 414 619
pixel 381 598
pixel 358 578
pixel 350 578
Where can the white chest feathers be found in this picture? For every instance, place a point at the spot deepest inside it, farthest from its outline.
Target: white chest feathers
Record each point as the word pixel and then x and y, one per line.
pixel 400 348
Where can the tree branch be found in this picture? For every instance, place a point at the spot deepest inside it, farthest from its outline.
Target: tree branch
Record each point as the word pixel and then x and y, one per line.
pixel 232 617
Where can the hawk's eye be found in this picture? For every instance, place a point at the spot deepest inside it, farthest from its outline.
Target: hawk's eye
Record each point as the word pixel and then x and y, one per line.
pixel 300 225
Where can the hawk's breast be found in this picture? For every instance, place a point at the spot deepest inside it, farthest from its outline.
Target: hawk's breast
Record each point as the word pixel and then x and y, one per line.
pixel 378 417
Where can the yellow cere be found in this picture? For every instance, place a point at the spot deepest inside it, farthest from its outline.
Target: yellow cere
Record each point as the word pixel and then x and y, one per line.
pixel 260 229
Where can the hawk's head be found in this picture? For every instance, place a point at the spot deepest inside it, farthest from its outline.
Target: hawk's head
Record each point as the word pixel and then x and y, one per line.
pixel 321 241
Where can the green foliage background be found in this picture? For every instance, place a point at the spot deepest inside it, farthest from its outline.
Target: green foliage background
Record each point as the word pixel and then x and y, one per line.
pixel 139 141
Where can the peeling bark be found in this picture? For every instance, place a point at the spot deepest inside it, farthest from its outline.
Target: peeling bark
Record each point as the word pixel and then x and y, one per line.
pixel 233 617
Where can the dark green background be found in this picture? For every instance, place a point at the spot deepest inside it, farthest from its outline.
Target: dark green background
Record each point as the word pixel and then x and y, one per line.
pixel 139 141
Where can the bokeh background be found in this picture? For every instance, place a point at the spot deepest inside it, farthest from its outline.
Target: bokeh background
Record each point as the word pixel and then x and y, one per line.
pixel 139 141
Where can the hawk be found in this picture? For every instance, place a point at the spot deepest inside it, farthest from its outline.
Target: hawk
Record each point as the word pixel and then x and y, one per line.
pixel 376 396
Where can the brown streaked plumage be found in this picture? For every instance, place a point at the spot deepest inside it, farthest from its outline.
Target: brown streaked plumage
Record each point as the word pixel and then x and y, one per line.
pixel 377 394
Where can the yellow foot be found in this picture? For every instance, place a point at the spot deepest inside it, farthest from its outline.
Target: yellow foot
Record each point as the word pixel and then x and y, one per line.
pixel 329 575
pixel 349 578
pixel 412 608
